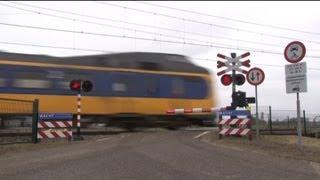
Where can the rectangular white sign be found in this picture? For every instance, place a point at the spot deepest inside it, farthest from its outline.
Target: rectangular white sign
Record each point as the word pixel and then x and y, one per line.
pixel 296 83
pixel 296 69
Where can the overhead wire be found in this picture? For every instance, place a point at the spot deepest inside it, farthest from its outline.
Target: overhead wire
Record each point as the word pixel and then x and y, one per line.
pixel 206 23
pixel 229 19
pixel 143 38
pixel 118 27
pixel 54 47
pixel 142 31
pixel 136 30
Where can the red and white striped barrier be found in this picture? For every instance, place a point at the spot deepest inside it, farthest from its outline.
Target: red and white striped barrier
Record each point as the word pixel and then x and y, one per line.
pixel 55 124
pixel 239 125
pixel 192 110
pixel 42 134
pixel 235 131
pixel 235 121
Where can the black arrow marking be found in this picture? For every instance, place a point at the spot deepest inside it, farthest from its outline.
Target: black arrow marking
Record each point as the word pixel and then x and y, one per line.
pixel 252 77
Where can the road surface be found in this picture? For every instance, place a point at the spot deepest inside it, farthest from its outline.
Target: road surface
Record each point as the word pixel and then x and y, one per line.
pixel 149 155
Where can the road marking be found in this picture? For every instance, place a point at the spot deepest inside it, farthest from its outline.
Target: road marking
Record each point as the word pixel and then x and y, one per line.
pixel 103 139
pixel 201 134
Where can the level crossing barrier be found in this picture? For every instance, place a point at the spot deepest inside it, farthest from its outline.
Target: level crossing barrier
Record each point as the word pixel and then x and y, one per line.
pixel 54 125
pixel 192 110
pixel 235 123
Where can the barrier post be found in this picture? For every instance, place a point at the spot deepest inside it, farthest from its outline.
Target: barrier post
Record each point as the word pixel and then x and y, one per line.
pixel 78 137
pixel 35 120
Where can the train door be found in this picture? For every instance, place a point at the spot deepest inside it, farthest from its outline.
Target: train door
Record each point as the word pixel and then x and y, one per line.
pixel 177 93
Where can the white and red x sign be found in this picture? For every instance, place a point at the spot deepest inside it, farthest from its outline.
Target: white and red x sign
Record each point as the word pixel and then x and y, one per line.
pixel 233 63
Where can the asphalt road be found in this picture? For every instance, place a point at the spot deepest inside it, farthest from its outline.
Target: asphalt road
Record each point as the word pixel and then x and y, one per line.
pixel 149 155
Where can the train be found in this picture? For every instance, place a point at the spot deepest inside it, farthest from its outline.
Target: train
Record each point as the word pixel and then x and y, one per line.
pixel 129 89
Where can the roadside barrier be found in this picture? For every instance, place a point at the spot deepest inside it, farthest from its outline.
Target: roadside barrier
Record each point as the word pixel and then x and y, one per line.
pixel 54 125
pixel 235 123
pixel 192 110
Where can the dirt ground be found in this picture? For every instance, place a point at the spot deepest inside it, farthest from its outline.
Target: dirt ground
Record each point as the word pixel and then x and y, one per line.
pixel 23 146
pixel 276 145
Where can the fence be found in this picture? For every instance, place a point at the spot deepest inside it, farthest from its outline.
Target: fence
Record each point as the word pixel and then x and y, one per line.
pixel 281 119
pixel 18 117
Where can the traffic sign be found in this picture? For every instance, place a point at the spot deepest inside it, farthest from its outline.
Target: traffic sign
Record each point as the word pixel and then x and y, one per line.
pixel 296 77
pixel 255 76
pixel 296 69
pixel 294 52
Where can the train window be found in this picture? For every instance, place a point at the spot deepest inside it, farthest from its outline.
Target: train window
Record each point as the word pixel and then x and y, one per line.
pixel 3 82
pixel 152 85
pixel 32 74
pixel 63 84
pixel 55 74
pixel 178 87
pixel 31 83
pixel 119 87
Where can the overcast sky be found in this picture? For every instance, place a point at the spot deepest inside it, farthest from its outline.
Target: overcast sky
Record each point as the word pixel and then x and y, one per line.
pixel 123 26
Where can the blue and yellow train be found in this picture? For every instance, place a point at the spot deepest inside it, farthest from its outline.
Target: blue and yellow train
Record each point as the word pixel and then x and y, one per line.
pixel 134 88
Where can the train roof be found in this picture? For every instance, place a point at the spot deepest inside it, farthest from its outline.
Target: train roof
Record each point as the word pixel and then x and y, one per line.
pixel 130 60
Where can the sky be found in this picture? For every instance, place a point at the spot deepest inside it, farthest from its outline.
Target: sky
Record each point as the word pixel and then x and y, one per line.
pixel 197 29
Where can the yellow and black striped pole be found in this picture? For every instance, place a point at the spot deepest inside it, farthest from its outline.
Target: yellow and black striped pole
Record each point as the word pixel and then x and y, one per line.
pixel 78 137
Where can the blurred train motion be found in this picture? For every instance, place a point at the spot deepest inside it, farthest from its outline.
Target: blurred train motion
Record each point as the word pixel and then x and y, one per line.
pixel 129 89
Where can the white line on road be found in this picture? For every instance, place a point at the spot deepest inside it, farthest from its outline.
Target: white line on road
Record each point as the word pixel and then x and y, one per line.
pixel 201 134
pixel 103 139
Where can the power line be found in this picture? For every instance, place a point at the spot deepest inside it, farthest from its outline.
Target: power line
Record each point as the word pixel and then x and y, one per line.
pixel 229 19
pixel 135 30
pixel 142 38
pixel 205 23
pixel 157 27
pixel 54 47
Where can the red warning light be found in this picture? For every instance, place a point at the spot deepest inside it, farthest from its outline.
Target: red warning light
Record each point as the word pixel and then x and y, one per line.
pixel 75 85
pixel 226 79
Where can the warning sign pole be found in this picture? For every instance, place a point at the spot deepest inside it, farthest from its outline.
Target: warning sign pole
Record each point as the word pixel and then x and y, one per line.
pixel 299 121
pixel 257 114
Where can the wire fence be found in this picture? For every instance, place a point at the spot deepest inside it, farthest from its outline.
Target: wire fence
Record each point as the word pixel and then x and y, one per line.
pixel 274 119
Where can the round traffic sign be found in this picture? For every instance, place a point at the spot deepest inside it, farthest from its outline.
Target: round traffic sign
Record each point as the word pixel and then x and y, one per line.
pixel 255 76
pixel 295 52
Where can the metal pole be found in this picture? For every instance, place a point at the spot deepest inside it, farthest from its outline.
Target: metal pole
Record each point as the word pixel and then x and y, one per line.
pixel 270 120
pixel 304 122
pixel 257 113
pixel 233 55
pixel 35 120
pixel 299 122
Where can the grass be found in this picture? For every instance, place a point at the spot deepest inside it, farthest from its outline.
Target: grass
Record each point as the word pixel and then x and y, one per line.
pixel 275 145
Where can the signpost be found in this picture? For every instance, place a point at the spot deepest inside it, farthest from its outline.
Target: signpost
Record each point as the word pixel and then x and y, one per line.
pixel 296 78
pixel 255 76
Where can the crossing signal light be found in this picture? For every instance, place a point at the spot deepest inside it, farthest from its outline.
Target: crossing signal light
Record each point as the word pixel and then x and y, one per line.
pixel 87 86
pixel 75 85
pixel 239 99
pixel 239 79
pixel 226 79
